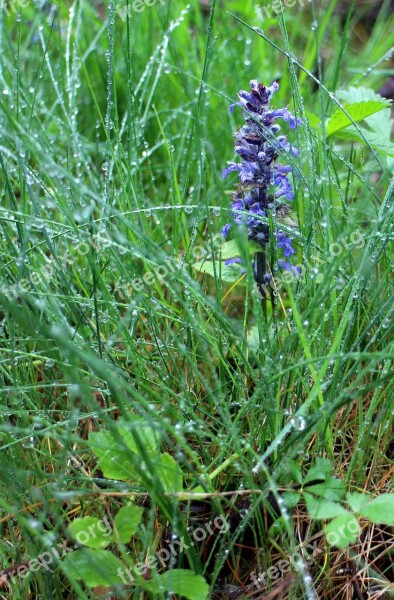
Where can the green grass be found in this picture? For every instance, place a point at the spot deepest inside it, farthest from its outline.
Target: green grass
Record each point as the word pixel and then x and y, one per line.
pixel 117 132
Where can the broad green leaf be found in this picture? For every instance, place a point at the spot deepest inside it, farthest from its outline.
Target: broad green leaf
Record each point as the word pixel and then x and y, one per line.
pixel 313 120
pixel 380 509
pixel 318 508
pixel 116 460
pixel 358 111
pixel 380 124
pixel 169 473
pixel 140 437
pixel 356 500
pixel 93 567
pixel 181 582
pixel 91 532
pixel 332 489
pixel 374 139
pixel 320 470
pixel 358 94
pixel 342 530
pixel 253 339
pixel 127 522
pixel 291 499
pixel 231 249
pixel 229 274
pixel 294 470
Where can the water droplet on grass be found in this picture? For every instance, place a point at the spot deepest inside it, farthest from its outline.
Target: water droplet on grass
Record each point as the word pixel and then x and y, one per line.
pixel 299 423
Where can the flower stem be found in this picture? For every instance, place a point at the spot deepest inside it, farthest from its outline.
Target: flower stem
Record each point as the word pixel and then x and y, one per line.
pixel 260 266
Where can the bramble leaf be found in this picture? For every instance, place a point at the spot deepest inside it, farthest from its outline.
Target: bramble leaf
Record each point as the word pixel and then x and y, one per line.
pixel 358 111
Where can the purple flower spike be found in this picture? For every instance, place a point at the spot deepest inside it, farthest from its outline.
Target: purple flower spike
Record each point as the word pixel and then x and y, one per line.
pixel 259 144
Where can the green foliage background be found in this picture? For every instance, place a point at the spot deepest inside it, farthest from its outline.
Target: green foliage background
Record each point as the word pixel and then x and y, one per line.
pixel 120 130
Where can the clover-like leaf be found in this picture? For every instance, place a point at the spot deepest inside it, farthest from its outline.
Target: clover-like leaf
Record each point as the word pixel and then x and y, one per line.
pixel 379 510
pixel 320 470
pixel 319 508
pixel 342 531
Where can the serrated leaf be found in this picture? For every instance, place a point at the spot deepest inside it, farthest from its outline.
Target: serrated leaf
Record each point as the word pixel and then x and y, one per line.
pixel 169 473
pixel 380 509
pixel 376 140
pixel 313 120
pixel 91 532
pixel 332 489
pixel 127 522
pixel 181 582
pixel 356 500
pixel 358 111
pixel 93 567
pixel 342 530
pixel 321 469
pixel 319 508
pixel 357 94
